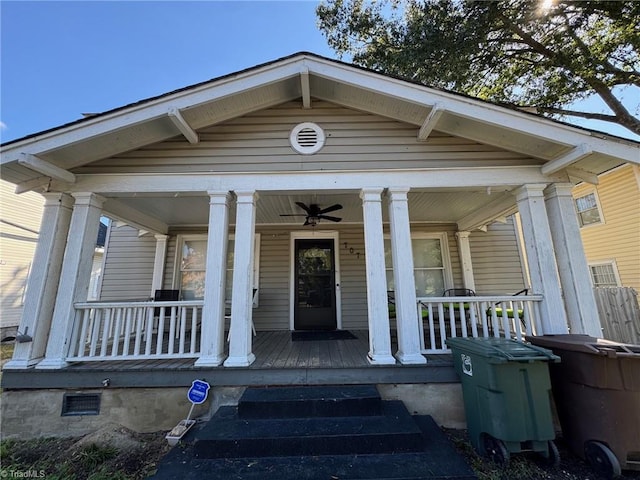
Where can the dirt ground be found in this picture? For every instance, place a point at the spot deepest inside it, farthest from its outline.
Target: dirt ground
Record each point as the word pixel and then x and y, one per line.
pixel 116 453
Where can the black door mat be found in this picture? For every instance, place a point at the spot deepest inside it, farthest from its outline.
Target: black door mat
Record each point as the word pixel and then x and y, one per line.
pixel 321 335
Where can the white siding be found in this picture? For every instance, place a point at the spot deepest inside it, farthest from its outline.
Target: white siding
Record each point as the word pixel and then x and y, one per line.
pixel 20 217
pixel 496 260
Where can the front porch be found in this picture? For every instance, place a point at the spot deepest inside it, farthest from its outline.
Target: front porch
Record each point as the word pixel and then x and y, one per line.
pixel 279 361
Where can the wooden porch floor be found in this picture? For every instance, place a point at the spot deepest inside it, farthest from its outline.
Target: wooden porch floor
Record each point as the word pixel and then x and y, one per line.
pixel 279 361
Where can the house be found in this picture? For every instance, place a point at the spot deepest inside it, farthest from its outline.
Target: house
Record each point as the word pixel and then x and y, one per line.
pixel 20 217
pixel 304 194
pixel 609 220
pixel 19 226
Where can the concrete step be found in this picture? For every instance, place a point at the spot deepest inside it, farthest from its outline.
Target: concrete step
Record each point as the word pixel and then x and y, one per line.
pixel 438 460
pixel 316 401
pixel 228 436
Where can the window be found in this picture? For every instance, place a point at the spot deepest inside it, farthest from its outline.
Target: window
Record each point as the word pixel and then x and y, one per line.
pixel 431 268
pixel 588 210
pixel 604 275
pixel 192 260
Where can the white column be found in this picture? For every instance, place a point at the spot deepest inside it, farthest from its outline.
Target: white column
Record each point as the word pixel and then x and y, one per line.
pixel 408 327
pixel 212 333
pixel 43 280
pixel 379 330
pixel 240 354
pixel 464 249
pixel 75 275
pixel 541 257
pixel 158 263
pixel 575 279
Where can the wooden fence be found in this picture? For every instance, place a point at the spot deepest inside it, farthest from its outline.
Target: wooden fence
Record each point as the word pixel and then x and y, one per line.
pixel 619 313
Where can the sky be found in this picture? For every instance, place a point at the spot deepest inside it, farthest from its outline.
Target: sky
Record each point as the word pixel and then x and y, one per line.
pixel 60 59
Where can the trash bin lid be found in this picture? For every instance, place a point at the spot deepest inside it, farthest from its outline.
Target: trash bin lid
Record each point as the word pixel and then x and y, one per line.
pixel 586 344
pixel 501 350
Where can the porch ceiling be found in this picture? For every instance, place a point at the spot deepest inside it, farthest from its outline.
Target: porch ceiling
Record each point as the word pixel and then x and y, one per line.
pixel 309 77
pixel 445 206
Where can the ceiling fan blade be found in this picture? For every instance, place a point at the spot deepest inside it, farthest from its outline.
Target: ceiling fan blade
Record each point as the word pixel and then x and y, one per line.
pixel 332 219
pixel 304 207
pixel 332 208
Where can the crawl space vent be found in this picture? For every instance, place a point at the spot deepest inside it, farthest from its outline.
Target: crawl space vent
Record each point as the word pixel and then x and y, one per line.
pixel 307 138
pixel 81 404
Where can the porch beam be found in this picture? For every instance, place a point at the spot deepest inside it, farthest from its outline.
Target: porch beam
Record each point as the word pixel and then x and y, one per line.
pixel 35 184
pixel 541 258
pixel 430 122
pixel 408 328
pixel 118 210
pixel 181 124
pixel 377 310
pixel 579 300
pixel 240 354
pixel 305 88
pixel 212 333
pixel 339 180
pixel 502 206
pixel 44 277
pixel 74 277
pixel 44 167
pixel 575 155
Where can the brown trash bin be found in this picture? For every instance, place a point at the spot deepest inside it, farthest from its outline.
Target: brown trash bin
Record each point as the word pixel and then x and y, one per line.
pixel 596 389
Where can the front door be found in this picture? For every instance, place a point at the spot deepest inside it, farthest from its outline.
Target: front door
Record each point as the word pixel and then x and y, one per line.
pixel 315 292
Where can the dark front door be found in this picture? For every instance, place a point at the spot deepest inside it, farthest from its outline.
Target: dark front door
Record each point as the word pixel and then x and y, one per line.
pixel 315 302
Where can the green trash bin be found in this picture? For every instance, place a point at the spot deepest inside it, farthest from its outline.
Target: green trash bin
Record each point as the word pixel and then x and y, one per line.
pixel 507 401
pixel 597 394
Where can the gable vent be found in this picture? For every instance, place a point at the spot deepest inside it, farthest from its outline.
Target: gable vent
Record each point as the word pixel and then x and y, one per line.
pixel 307 138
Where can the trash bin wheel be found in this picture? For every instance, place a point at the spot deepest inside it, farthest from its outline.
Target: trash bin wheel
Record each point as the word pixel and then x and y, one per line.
pixel 602 459
pixel 494 449
pixel 552 457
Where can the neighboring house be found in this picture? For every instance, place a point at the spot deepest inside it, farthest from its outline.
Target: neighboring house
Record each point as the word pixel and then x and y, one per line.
pixel 609 217
pixel 20 217
pixel 302 194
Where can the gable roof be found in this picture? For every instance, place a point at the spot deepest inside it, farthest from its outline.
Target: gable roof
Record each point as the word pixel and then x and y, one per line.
pixel 308 76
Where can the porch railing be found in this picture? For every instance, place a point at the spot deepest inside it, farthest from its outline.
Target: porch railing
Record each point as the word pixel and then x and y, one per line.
pixel 135 330
pixel 508 316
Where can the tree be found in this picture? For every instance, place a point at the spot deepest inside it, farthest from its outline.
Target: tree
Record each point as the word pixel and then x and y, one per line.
pixel 541 55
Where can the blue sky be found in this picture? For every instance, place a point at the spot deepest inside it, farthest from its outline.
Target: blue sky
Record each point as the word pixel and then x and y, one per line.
pixel 62 59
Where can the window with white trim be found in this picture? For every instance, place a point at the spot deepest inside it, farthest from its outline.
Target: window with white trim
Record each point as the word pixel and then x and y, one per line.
pixel 588 210
pixel 431 263
pixel 604 274
pixel 191 266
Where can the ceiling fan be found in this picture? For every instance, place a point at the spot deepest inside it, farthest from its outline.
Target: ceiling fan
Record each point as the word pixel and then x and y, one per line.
pixel 314 213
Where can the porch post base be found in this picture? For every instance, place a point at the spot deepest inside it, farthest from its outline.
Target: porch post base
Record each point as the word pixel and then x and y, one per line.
pixel 240 361
pixel 381 359
pixel 206 361
pixel 411 358
pixel 21 364
pixel 52 364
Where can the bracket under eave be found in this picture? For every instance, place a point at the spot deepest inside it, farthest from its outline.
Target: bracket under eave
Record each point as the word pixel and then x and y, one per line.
pixel 575 155
pixel 37 164
pixel 178 120
pixel 305 88
pixel 430 122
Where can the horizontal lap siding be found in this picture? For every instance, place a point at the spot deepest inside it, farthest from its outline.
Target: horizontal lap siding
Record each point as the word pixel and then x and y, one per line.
pixel 354 140
pixel 128 266
pixel 618 238
pixel 496 260
pixel 21 216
